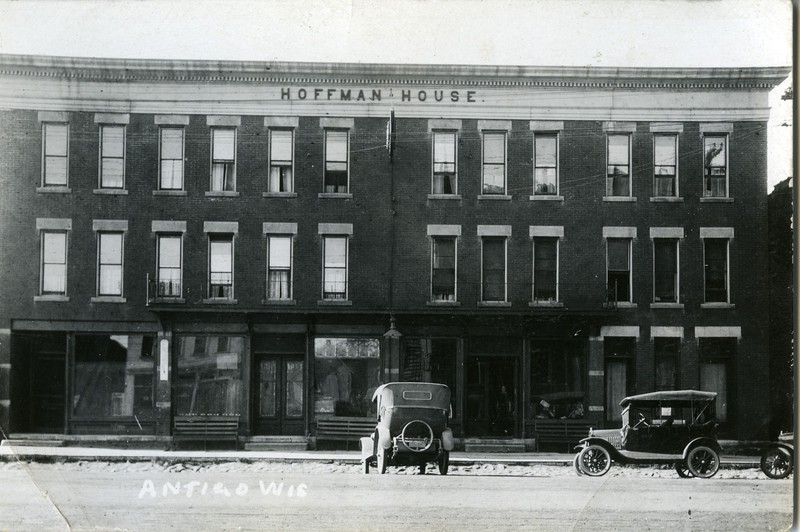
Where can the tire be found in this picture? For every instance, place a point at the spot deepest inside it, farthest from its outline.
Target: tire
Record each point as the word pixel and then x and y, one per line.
pixel 682 470
pixel 702 462
pixel 365 466
pixel 594 460
pixel 576 465
pixel 776 463
pixel 444 462
pixel 381 461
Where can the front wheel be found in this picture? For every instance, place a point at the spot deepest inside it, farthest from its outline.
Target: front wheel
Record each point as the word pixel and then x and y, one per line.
pixel 381 460
pixel 594 461
pixel 703 462
pixel 777 463
pixel 682 470
pixel 577 465
pixel 444 462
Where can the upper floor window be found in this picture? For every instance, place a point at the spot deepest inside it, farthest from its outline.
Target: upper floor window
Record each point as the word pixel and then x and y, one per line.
pixel 334 268
pixel 110 260
pixel 494 163
pixel 545 172
pixel 493 269
pixel 545 269
pixel 665 270
pixel 220 266
pixel 223 159
pixel 279 267
pixel 55 148
pixel 715 164
pixel 54 263
pixel 171 157
pixel 336 160
pixel 444 162
pixel 716 270
pixel 170 265
pixel 666 355
pixel 665 164
pixel 281 159
pixel 112 156
pixel 618 261
pixel 443 275
pixel 618 182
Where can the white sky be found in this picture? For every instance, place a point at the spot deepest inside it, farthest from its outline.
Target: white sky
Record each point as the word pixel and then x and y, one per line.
pixel 656 33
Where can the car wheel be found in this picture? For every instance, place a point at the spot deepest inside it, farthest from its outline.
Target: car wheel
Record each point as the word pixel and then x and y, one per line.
pixel 682 470
pixel 703 462
pixel 777 463
pixel 594 461
pixel 444 462
pixel 577 465
pixel 365 466
pixel 381 460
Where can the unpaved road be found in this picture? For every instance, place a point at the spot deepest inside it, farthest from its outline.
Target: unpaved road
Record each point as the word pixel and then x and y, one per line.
pixel 317 496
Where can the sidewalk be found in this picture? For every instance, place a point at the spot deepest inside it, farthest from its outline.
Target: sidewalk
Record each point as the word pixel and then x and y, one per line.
pixel 18 452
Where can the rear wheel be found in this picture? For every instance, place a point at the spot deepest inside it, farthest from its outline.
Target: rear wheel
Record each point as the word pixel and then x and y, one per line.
pixel 682 470
pixel 777 463
pixel 703 462
pixel 444 462
pixel 594 461
pixel 381 460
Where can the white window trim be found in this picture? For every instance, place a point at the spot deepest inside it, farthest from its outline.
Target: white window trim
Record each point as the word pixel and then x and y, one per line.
pixel 626 331
pixel 170 233
pixel 455 238
pixel 722 132
pixel 211 191
pixel 44 185
pixel 677 301
pixel 291 130
pixel 161 128
pixel 557 301
pixel 629 135
pixel 718 332
pixel 454 131
pixel 41 296
pixel 210 235
pixel 124 156
pixel 325 130
pixel 718 304
pixel 666 331
pixel 505 238
pixel 291 236
pixel 557 135
pixel 629 301
pixel 676 136
pixel 120 298
pixel 346 300
pixel 483 161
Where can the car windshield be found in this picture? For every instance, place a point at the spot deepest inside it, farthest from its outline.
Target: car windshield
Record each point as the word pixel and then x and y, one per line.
pixel 665 413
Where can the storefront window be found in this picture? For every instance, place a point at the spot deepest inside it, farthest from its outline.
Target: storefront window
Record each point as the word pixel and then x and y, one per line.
pixel 208 378
pixel 557 369
pixel 113 377
pixel 347 371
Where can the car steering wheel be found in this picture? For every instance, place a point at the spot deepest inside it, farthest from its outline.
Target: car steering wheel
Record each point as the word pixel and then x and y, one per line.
pixel 642 421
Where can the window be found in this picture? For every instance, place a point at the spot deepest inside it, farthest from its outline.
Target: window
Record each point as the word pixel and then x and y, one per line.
pixel 220 266
pixel 336 158
pixel 171 158
pixel 665 270
pixel 715 163
pixel 223 159
pixel 444 162
pixel 545 173
pixel 557 373
pixel 545 269
pixel 334 274
pixel 443 277
pixel 619 166
pixel 619 269
pixel 347 372
pixel 170 265
pixel 493 278
pixel 56 140
pixel 109 268
pixel 281 149
pixel 619 363
pixel 208 379
pixel 716 359
pixel 279 267
pixel 112 156
pixel 54 263
pixel 665 164
pixel 716 270
pixel 494 163
pixel 666 352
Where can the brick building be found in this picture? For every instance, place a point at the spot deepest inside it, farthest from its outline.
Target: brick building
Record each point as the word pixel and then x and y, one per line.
pixel 262 240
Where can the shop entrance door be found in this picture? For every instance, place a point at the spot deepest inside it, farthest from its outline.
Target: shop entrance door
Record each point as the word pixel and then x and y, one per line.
pixel 492 404
pixel 278 394
pixel 38 382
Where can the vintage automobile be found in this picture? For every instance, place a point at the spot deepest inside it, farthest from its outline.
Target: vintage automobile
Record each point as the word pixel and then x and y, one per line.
pixel 412 427
pixel 670 427
pixel 778 460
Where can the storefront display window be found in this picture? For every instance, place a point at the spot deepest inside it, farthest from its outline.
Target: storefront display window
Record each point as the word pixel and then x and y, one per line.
pixel 557 379
pixel 347 372
pixel 113 377
pixel 208 376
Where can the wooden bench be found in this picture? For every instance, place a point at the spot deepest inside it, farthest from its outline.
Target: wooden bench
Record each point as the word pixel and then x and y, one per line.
pixel 346 429
pixel 566 432
pixel 206 428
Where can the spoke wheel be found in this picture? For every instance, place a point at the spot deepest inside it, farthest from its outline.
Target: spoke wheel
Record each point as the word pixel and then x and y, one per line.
pixel 444 462
pixel 577 465
pixel 682 470
pixel 594 461
pixel 777 463
pixel 703 462
pixel 381 460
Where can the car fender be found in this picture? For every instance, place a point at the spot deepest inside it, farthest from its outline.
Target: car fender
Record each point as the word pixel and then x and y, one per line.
pixel 448 442
pixel 367 447
pixel 788 447
pixel 708 442
pixel 605 444
pixel 384 437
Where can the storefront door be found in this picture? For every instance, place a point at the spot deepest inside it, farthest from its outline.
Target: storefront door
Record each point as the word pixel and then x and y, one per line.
pixel 278 400
pixel 38 382
pixel 492 391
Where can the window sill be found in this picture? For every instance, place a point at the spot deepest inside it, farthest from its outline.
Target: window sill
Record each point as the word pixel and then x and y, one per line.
pixel 666 305
pixel 169 193
pixel 110 191
pixel 497 304
pixel 220 301
pixel 546 304
pixel 222 194
pixel 666 199
pixel 279 194
pixel 620 304
pixel 169 300
pixel 279 302
pixel 108 299
pixel 444 197
pixel 619 199
pixel 443 303
pixel 335 302
pixel 501 197
pixel 716 200
pixel 545 197
pixel 335 195
pixel 717 305
pixel 52 298
pixel 54 190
